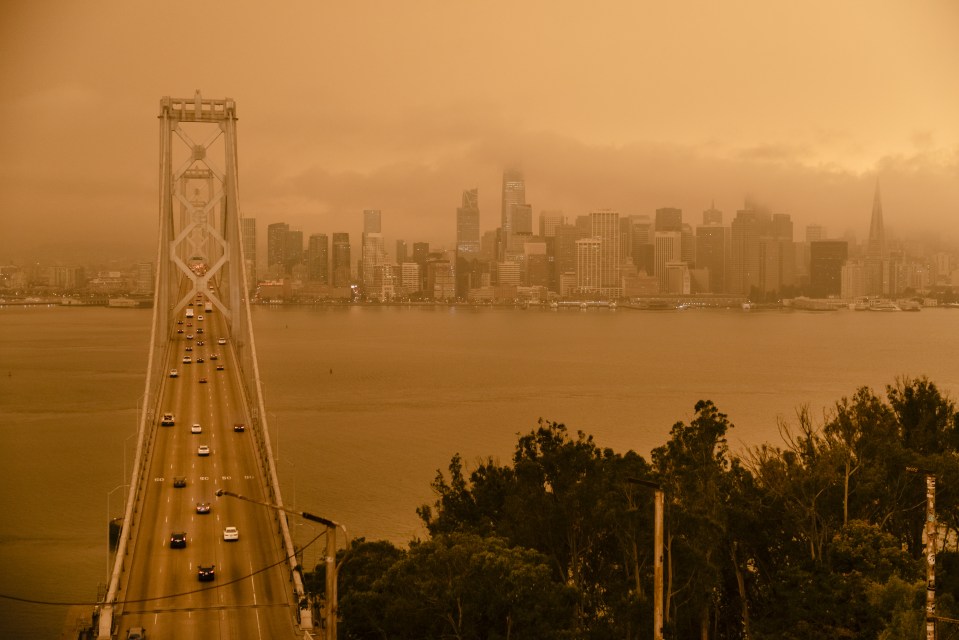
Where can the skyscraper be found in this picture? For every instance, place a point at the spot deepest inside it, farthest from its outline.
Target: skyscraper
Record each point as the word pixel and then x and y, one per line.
pixel 605 227
pixel 400 251
pixel 669 219
pixel 467 241
pixel 468 224
pixel 827 258
pixel 876 249
pixel 712 254
pixel 318 258
pixel 372 221
pixel 277 238
pixel 514 193
pixel 341 260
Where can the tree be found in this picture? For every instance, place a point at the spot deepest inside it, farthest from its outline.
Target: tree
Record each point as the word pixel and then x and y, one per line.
pixel 466 587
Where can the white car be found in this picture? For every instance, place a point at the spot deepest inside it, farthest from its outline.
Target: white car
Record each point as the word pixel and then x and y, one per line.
pixel 203 450
pixel 167 420
pixel 231 533
pixel 174 373
pixel 221 341
pixel 199 318
pixel 187 359
pixel 196 428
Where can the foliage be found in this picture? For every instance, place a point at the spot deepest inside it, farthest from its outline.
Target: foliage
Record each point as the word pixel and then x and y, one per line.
pixel 818 537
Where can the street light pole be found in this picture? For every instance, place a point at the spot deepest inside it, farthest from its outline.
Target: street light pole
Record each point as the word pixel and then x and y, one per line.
pixel 658 499
pixel 330 610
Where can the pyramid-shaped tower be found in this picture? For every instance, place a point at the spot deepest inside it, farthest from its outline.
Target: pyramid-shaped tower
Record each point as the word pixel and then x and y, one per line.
pixel 876 251
pixel 877 235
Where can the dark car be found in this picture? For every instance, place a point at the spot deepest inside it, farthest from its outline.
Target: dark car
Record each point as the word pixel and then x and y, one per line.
pixel 205 574
pixel 239 427
pixel 214 356
pixel 178 540
pixel 136 633
pixel 203 507
pixel 202 380
pixel 179 330
pixel 179 481
pixel 219 367
pixel 199 359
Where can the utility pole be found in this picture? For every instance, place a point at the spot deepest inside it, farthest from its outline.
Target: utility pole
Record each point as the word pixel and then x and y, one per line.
pixel 330 607
pixel 659 499
pixel 931 531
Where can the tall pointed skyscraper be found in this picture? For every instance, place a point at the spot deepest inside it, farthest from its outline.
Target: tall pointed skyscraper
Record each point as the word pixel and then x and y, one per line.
pixel 875 262
pixel 877 235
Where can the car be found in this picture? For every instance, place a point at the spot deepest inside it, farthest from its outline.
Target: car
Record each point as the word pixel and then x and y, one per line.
pixel 179 330
pixel 205 574
pixel 199 318
pixel 219 367
pixel 174 373
pixel 179 321
pixel 178 540
pixel 202 381
pixel 189 324
pixel 239 427
pixel 214 356
pixel 199 359
pixel 136 633
pixel 179 482
pixel 200 343
pixel 189 336
pixel 168 420
pixel 196 428
pixel 199 331
pixel 203 507
pixel 203 450
pixel 231 534
pixel 221 341
pixel 189 349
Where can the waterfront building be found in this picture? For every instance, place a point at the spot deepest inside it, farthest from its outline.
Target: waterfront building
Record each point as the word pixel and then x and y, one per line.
pixel 318 258
pixel 144 279
pixel 372 254
pixel 277 242
pixel 744 256
pixel 400 257
pixel 667 250
pixel 564 251
pixel 341 265
pixel 604 226
pixel 410 278
pixel 508 273
pixel 712 254
pixel 826 275
pixel 588 267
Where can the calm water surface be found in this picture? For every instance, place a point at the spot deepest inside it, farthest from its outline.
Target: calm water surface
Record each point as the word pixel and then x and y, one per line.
pixel 367 403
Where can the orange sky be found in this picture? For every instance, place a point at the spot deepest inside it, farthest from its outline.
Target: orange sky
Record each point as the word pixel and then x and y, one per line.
pixel 630 105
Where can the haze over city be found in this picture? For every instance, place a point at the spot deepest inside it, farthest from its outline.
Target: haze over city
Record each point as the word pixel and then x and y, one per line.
pixel 400 107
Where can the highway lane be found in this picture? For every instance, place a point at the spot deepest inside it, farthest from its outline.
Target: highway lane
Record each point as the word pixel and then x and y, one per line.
pixel 247 599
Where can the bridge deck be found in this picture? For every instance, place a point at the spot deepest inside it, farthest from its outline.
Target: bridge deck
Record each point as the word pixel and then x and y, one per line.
pixel 251 594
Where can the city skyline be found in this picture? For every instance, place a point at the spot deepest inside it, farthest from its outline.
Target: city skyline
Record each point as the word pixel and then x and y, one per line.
pixel 642 106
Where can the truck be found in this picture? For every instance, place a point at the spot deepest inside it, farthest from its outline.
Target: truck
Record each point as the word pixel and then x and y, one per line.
pixel 189 313
pixel 208 307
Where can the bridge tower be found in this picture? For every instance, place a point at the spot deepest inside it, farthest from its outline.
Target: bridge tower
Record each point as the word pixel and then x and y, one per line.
pixel 199 241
